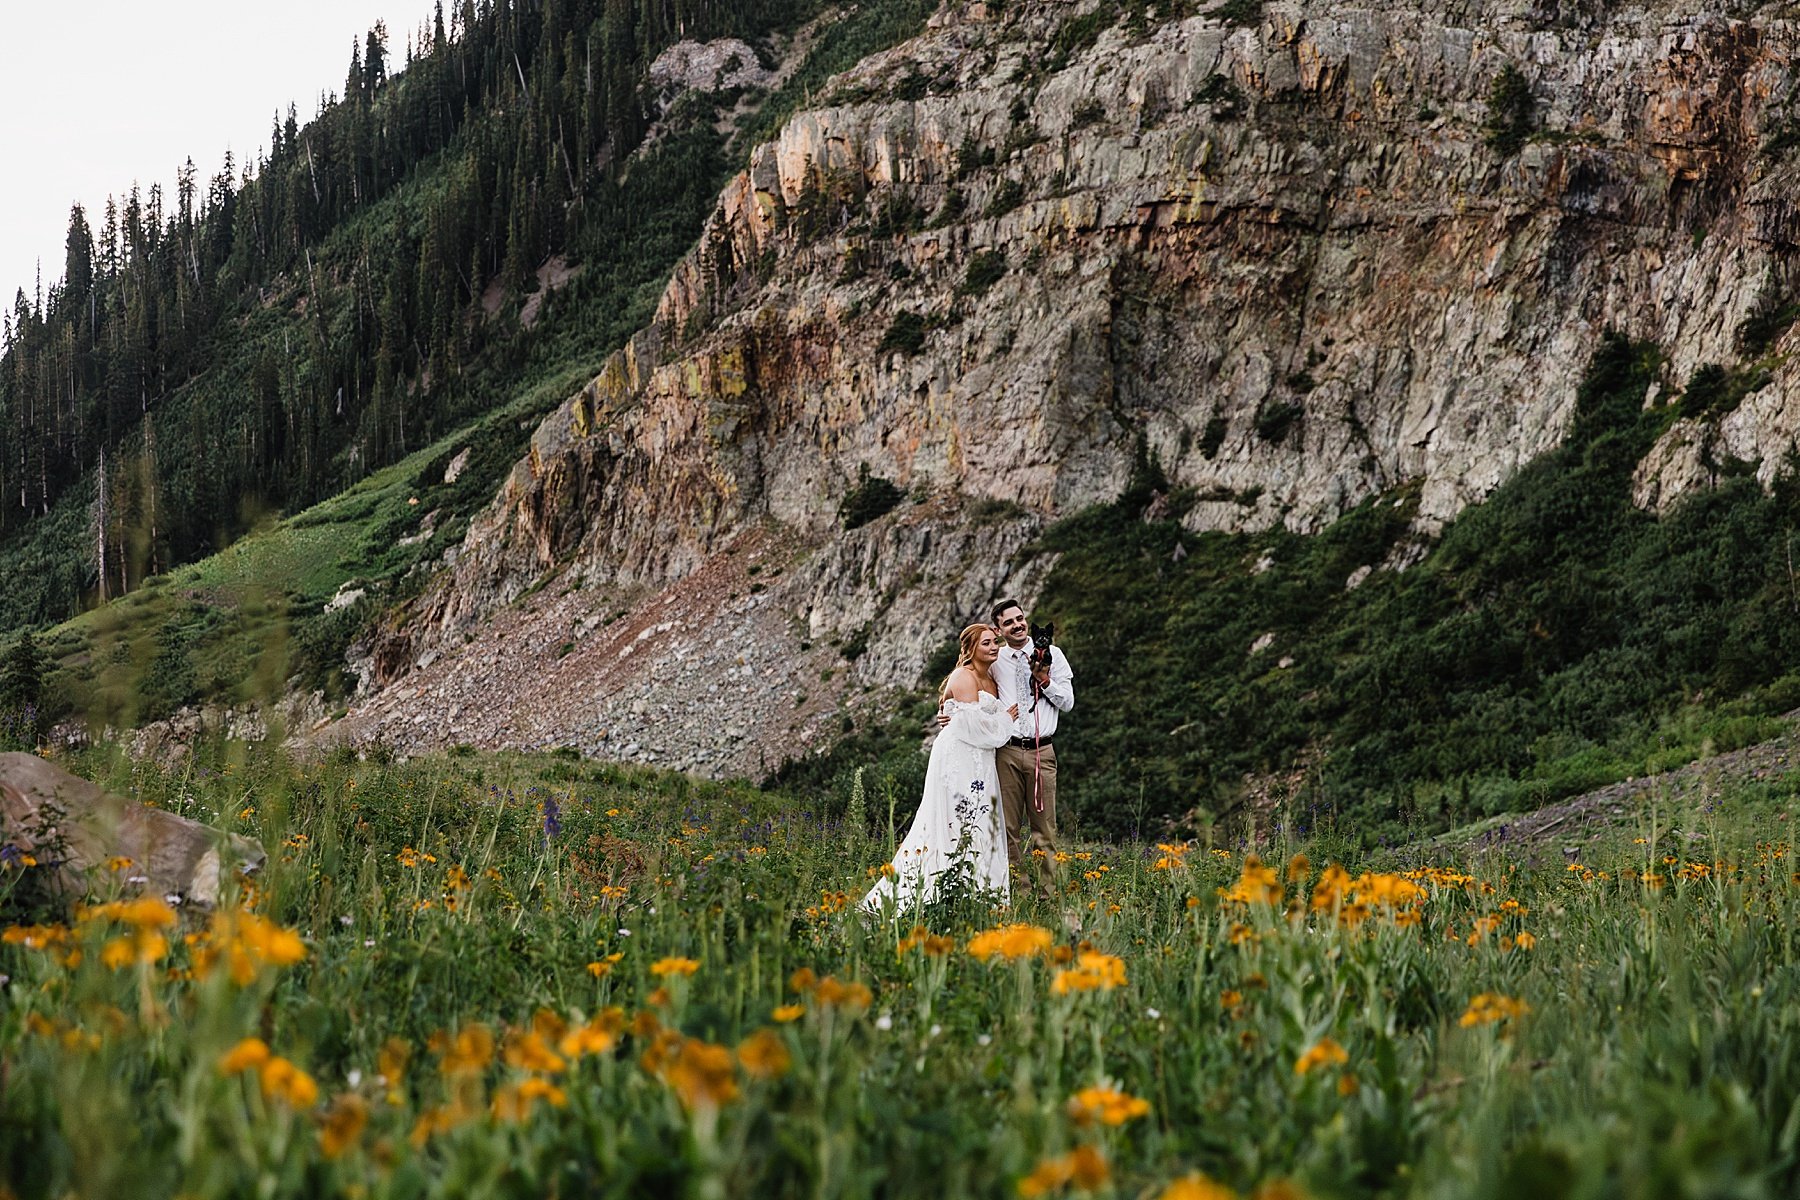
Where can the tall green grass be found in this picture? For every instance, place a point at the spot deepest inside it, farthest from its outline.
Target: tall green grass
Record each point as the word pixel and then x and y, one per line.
pixel 1651 988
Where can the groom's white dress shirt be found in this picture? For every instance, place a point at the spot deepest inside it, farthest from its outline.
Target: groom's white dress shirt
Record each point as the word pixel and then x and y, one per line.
pixel 1012 675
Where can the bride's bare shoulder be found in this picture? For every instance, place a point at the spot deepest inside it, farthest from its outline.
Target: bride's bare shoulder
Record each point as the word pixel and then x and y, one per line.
pixel 962 686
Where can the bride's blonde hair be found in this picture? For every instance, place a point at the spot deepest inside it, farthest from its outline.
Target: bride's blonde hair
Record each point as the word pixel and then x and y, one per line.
pixel 965 653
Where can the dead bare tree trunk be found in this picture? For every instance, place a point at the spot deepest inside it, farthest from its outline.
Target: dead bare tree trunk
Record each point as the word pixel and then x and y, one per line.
pixel 101 498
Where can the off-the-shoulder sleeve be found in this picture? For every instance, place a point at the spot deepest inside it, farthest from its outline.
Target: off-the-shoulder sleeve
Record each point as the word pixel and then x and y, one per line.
pixel 985 725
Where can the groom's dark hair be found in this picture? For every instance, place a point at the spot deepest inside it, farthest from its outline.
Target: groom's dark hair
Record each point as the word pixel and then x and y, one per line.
pixel 1002 607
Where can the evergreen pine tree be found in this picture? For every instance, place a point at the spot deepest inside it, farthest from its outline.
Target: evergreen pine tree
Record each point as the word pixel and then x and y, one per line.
pixel 22 679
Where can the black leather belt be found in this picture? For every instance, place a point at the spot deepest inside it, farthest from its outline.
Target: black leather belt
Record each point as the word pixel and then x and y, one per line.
pixel 1028 743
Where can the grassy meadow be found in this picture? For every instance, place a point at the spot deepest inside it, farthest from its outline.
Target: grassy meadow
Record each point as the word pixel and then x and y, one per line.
pixel 497 976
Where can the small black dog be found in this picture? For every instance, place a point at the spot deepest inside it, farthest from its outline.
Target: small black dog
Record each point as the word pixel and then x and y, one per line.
pixel 1041 637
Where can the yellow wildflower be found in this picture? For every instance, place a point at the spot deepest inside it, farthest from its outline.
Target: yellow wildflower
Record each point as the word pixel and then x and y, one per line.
pixel 282 1080
pixel 850 996
pixel 788 1012
pixel 1196 1187
pixel 515 1101
pixel 1324 1053
pixel 139 946
pixel 146 912
pixel 433 1121
pixel 1010 941
pixel 532 1052
pixel 1256 884
pixel 470 1051
pixel 247 1054
pixel 674 966
pixel 35 937
pixel 390 1062
pixel 1083 1167
pixel 1093 972
pixel 596 1037
pixel 1106 1105
pixel 343 1124
pixel 764 1055
pixel 245 943
pixel 1489 1008
pixel 701 1074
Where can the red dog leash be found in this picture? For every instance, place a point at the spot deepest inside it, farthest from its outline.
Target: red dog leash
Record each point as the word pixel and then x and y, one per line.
pixel 1037 757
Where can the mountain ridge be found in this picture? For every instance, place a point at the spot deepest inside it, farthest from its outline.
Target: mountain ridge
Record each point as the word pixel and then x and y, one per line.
pixel 1284 257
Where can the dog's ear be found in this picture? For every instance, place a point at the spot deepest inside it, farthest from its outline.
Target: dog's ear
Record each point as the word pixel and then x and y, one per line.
pixel 1050 631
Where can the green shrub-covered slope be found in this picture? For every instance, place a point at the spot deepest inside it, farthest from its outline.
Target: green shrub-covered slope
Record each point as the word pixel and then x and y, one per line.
pixel 1555 638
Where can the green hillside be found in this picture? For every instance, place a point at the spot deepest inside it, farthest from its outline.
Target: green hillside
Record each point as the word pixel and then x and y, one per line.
pixel 258 343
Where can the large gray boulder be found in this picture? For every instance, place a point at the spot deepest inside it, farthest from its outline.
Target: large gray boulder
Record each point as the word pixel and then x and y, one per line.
pixel 53 815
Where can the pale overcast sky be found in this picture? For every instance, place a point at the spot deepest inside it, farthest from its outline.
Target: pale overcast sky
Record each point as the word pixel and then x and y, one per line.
pixel 97 93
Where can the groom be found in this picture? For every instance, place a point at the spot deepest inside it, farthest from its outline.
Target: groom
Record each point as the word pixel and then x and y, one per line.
pixel 1027 764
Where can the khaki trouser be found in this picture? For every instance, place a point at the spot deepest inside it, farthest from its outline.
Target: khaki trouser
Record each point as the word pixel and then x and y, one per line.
pixel 1017 772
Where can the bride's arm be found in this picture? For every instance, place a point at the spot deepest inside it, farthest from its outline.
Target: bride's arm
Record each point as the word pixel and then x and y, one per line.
pixel 986 725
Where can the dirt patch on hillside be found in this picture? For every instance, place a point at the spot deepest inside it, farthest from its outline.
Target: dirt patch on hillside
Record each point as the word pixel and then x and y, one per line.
pixel 700 676
pixel 1569 826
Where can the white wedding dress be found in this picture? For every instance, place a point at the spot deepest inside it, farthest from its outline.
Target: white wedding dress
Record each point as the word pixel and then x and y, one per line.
pixel 959 813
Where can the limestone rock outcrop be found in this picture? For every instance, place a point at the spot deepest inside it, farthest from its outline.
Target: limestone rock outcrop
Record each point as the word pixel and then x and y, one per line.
pixel 996 264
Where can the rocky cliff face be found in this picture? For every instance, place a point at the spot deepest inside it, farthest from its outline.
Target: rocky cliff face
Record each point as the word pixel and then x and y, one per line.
pixel 1285 258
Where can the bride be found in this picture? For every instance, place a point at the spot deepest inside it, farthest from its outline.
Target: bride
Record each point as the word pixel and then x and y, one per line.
pixel 959 814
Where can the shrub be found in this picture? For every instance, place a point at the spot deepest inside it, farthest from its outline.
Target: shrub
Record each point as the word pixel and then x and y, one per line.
pixel 872 497
pixel 1764 326
pixel 985 270
pixel 1222 94
pixel 971 156
pixel 1509 111
pixel 955 203
pixel 1712 390
pixel 905 333
pixel 1008 196
pixel 1213 436
pixel 1240 12
pixel 1274 421
pixel 1078 34
pixel 914 86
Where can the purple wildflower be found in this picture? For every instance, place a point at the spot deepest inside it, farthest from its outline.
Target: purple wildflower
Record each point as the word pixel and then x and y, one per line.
pixel 552 817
